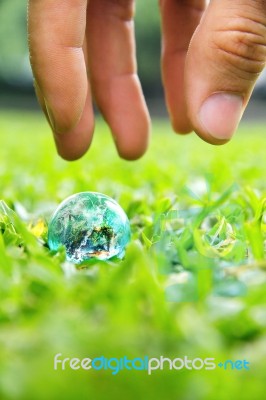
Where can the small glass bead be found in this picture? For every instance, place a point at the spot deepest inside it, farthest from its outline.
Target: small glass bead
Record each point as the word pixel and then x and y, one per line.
pixel 89 225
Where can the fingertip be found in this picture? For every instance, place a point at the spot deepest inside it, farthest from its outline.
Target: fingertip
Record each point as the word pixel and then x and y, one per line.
pixel 132 147
pixel 131 154
pixel 181 127
pixel 218 117
pixel 175 97
pixel 70 154
pixel 73 145
pixel 210 139
pixel 220 114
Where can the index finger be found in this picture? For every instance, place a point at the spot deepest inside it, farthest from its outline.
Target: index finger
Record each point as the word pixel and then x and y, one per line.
pixel 56 33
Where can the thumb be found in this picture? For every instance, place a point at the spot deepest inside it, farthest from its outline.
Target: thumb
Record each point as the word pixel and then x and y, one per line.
pixel 226 56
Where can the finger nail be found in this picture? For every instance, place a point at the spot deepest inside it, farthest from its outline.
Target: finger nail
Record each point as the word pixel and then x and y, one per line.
pixel 220 114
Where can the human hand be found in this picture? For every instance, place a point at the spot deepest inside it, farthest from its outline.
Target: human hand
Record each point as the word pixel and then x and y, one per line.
pixel 69 41
pixel 208 87
pixel 80 50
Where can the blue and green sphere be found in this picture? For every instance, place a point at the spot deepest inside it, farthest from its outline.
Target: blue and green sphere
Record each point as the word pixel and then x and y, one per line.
pixel 89 225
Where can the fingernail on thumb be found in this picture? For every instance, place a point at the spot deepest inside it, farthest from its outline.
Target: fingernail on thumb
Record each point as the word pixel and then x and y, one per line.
pixel 220 115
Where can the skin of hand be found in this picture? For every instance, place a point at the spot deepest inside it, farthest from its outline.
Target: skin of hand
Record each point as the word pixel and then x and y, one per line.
pixel 212 55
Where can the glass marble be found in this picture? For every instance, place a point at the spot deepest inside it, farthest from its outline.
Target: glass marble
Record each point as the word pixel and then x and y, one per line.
pixel 89 225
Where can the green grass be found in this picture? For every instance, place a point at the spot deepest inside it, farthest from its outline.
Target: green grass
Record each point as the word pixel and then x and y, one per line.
pixel 192 282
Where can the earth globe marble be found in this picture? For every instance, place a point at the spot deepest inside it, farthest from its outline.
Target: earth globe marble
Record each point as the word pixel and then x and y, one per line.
pixel 89 225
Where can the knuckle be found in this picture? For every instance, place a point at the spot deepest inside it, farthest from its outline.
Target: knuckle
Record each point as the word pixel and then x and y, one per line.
pixel 242 45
